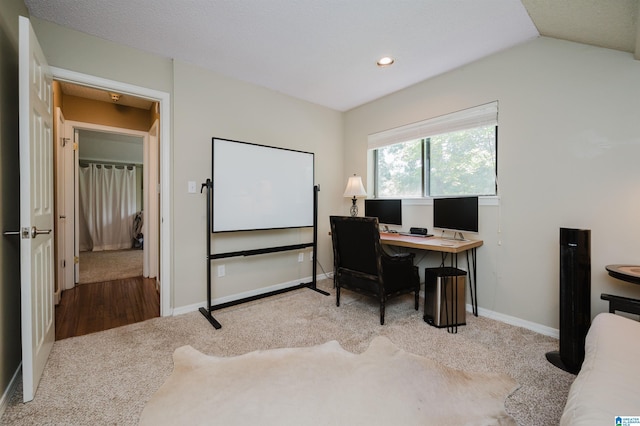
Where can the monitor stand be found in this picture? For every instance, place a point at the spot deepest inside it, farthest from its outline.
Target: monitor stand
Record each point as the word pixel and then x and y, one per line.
pixel 455 237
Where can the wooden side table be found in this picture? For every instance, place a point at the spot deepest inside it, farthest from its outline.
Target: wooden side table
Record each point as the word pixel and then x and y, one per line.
pixel 630 274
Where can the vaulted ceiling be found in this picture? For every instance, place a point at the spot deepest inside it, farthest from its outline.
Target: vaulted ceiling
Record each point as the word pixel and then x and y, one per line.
pixel 325 51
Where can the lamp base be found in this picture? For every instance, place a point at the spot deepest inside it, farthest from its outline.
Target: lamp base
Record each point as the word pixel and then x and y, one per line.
pixel 354 208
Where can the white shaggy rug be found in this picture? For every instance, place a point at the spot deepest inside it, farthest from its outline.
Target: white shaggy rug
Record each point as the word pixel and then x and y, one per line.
pixel 326 385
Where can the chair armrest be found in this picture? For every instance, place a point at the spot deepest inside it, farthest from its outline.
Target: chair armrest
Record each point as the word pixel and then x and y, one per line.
pixel 357 274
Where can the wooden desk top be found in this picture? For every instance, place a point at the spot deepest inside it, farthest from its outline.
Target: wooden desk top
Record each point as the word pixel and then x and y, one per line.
pixel 428 243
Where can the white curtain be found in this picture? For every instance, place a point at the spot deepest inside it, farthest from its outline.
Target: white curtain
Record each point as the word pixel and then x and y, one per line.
pixel 107 206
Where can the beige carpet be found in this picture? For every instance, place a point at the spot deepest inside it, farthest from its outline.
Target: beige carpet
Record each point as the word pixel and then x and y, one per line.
pixel 109 265
pixel 107 378
pixel 326 385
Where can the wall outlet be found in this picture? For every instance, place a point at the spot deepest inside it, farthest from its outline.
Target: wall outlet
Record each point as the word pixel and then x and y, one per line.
pixel 300 257
pixel 221 271
pixel 191 187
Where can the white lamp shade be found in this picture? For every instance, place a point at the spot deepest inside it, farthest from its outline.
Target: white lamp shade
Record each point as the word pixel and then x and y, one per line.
pixel 355 187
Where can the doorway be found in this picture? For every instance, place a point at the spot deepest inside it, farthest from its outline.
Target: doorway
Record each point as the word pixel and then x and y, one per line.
pixel 107 184
pixel 116 152
pixel 157 133
pixel 111 205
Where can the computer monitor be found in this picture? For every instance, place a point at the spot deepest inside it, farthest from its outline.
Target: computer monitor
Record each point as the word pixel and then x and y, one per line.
pixel 388 212
pixel 456 214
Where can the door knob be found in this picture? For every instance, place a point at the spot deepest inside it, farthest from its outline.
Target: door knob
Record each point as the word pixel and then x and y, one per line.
pixel 35 231
pixel 26 232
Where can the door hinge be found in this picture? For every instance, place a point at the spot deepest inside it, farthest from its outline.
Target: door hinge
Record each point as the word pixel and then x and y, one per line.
pixel 75 146
pixel 76 259
pixel 64 263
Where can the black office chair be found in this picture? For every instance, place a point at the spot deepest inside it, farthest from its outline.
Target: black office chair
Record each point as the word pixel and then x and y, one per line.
pixel 362 265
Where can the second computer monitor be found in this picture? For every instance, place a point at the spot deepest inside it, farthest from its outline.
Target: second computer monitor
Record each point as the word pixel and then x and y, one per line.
pixel 456 214
pixel 388 212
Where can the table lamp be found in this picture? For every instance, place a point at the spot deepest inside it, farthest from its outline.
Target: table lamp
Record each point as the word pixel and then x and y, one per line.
pixel 356 190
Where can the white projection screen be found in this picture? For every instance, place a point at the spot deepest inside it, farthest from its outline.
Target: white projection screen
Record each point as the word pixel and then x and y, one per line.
pixel 260 187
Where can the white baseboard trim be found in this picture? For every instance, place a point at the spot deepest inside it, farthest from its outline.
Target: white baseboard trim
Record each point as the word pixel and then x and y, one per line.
pixel 246 294
pixel 507 319
pixel 10 390
pixel 518 322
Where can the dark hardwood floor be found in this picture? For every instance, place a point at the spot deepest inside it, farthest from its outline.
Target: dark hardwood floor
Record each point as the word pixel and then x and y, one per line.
pixel 88 308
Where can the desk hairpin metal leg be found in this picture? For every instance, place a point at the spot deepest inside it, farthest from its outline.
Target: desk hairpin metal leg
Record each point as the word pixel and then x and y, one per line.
pixel 472 276
pixel 473 290
pixel 452 323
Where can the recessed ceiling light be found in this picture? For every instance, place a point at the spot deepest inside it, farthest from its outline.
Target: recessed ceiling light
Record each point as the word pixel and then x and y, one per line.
pixel 385 61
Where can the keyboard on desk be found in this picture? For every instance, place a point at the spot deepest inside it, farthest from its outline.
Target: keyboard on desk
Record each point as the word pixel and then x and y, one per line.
pixel 409 234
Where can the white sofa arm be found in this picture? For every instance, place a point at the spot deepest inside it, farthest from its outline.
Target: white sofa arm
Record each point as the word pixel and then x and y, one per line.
pixel 608 384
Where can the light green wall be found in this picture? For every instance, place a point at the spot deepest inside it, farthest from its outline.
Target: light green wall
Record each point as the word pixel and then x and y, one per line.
pixel 83 53
pixel 568 142
pixel 207 105
pixel 10 343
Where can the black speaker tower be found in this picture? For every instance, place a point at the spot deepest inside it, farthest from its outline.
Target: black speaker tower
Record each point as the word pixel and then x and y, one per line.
pixel 575 298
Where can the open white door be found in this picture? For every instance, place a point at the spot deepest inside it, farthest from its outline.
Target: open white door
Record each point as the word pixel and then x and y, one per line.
pixel 76 205
pixel 151 203
pixel 36 208
pixel 64 215
pixel 60 217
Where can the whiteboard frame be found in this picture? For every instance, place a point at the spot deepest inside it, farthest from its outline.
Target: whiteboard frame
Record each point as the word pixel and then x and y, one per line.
pixel 239 182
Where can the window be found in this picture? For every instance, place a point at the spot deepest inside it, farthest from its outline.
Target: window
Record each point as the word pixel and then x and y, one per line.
pixel 399 170
pixel 452 155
